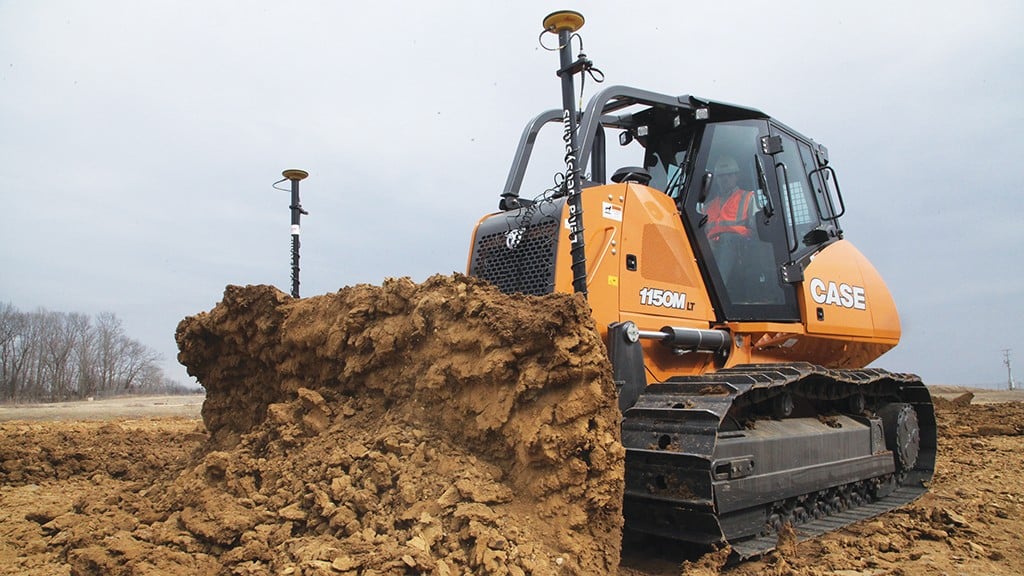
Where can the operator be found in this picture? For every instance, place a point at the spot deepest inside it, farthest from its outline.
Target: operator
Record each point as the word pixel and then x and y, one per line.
pixel 730 216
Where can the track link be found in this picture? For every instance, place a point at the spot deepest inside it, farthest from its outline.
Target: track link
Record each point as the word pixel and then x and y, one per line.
pixel 730 456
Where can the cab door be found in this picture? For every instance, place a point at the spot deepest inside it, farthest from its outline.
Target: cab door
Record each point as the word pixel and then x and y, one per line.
pixel 733 214
pixel 804 202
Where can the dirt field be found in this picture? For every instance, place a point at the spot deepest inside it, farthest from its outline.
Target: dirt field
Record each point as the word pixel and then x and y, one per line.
pixel 68 488
pixel 421 429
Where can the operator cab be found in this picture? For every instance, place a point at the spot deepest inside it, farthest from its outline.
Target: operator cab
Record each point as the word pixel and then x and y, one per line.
pixel 754 202
pixel 756 199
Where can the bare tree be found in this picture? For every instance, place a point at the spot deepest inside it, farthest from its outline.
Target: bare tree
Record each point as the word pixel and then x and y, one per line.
pixel 57 356
pixel 12 329
pixel 86 378
pixel 35 385
pixel 137 361
pixel 109 340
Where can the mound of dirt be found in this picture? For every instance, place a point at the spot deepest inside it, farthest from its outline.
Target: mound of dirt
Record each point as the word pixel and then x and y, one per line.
pixel 956 402
pixel 440 428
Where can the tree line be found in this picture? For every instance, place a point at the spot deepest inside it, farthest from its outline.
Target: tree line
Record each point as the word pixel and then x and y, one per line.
pixel 48 356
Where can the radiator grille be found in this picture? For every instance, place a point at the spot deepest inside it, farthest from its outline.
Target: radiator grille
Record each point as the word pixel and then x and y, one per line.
pixel 518 261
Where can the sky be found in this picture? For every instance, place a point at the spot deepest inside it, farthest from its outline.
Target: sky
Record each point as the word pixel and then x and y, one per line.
pixel 139 142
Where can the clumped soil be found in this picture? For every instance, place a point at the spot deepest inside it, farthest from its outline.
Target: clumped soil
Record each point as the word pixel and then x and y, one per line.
pixel 436 428
pixel 440 428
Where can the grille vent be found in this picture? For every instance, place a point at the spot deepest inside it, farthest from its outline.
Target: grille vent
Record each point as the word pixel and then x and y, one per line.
pixel 518 261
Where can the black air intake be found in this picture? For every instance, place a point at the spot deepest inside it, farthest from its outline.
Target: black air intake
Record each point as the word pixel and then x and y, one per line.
pixel 516 250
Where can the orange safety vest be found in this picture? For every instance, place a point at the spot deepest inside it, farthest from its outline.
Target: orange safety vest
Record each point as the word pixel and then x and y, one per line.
pixel 731 215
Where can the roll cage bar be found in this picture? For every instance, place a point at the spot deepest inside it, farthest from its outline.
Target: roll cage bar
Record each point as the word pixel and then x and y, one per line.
pixel 600 113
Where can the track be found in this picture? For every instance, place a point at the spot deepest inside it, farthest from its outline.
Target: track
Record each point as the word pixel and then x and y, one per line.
pixel 731 456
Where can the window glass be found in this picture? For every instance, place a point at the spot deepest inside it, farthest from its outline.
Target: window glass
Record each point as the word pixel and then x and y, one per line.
pixel 798 203
pixel 822 199
pixel 666 172
pixel 740 241
pixel 667 160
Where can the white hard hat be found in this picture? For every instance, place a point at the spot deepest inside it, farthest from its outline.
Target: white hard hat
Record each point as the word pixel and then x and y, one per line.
pixel 726 165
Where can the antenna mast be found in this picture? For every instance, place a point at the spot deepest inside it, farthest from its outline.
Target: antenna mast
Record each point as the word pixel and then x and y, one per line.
pixel 565 23
pixel 295 176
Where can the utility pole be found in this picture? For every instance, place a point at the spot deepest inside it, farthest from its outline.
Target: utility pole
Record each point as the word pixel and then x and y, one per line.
pixel 1009 369
pixel 295 176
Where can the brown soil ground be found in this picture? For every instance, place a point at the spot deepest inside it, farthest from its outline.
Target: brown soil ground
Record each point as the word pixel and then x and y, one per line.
pixel 66 484
pixel 423 429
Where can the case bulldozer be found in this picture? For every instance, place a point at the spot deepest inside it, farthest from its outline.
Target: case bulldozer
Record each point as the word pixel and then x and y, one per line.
pixel 739 320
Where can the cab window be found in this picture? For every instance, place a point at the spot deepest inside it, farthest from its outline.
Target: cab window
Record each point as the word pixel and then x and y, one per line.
pixel 799 206
pixel 732 224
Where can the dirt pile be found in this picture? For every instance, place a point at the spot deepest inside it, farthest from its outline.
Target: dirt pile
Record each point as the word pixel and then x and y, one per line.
pixel 440 428
pixel 952 403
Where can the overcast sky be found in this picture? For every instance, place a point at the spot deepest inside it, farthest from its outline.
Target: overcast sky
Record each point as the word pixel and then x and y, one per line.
pixel 139 142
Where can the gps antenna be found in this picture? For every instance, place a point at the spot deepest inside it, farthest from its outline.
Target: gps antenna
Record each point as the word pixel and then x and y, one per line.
pixel 565 23
pixel 295 176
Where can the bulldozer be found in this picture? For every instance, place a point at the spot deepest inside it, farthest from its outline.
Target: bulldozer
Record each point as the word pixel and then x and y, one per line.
pixel 738 319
